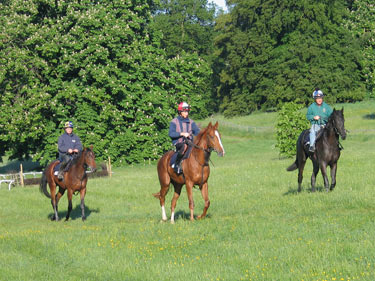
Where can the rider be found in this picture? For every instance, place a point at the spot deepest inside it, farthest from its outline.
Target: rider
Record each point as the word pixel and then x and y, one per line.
pixel 318 114
pixel 182 128
pixel 68 144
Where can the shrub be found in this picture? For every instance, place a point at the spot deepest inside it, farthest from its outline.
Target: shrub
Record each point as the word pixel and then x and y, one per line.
pixel 290 123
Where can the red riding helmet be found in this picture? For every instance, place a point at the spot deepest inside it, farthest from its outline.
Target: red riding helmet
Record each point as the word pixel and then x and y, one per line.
pixel 183 106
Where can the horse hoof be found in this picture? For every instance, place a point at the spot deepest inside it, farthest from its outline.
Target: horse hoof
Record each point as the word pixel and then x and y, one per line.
pixel 83 218
pixel 172 222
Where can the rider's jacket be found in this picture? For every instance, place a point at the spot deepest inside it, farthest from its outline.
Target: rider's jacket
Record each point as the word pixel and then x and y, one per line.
pixel 182 125
pixel 324 111
pixel 67 142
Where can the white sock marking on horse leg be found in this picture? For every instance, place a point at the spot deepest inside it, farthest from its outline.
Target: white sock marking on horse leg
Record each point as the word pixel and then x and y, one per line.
pixel 163 214
pixel 218 137
pixel 172 217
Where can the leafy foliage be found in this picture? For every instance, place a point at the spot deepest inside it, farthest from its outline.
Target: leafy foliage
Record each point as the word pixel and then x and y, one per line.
pixel 361 23
pixel 268 55
pixel 290 123
pixel 97 64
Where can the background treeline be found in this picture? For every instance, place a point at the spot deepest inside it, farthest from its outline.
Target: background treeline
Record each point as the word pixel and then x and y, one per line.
pixel 118 68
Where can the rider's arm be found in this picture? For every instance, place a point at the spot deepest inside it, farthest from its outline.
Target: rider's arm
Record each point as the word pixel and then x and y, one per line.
pixel 78 144
pixel 310 114
pixel 173 134
pixel 62 147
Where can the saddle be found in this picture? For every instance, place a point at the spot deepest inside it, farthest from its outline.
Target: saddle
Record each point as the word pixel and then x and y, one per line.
pixel 186 155
pixel 306 137
pixel 67 167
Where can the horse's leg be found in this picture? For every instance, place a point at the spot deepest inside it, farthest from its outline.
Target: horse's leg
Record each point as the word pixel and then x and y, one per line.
pixel 162 194
pixel 58 196
pixel 189 190
pixel 52 187
pixel 70 195
pixel 323 168
pixel 176 195
pixel 314 173
pixel 333 176
pixel 301 166
pixel 82 194
pixel 204 191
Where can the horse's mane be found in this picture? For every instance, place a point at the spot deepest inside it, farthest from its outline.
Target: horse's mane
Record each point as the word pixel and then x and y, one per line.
pixel 75 159
pixel 200 135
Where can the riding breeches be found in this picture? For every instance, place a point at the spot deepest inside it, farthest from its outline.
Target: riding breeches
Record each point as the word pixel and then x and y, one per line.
pixel 313 131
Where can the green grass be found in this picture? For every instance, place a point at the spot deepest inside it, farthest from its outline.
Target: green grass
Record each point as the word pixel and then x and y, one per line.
pixel 258 226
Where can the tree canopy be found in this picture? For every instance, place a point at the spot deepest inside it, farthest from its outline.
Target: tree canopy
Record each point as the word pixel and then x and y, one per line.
pixel 97 64
pixel 271 55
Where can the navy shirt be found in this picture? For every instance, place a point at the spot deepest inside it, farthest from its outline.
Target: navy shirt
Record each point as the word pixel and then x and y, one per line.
pixel 175 135
pixel 67 142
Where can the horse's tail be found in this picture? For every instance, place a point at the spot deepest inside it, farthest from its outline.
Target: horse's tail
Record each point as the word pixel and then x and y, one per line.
pixel 292 167
pixel 43 184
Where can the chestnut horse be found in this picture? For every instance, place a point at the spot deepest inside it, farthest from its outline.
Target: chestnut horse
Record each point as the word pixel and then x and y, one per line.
pixel 196 171
pixel 75 179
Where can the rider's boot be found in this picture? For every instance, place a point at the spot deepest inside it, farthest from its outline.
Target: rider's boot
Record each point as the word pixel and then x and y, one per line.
pixel 60 174
pixel 177 165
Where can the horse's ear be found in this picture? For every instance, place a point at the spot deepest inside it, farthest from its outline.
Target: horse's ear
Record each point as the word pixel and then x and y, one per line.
pixel 92 148
pixel 209 125
pixel 216 125
pixel 342 109
pixel 334 109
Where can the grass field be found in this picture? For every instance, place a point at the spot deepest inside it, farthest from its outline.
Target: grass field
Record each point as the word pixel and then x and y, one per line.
pixel 258 226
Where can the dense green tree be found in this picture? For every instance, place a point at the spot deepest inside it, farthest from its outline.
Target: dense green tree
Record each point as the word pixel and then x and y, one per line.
pixel 361 23
pixel 95 63
pixel 272 51
pixel 186 25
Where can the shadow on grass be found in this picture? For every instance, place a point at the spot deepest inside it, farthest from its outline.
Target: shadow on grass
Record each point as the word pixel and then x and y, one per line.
pixel 185 216
pixel 293 191
pixel 76 212
pixel 14 166
pixel 369 116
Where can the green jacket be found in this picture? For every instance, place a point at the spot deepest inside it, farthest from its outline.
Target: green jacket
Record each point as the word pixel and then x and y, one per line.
pixel 324 111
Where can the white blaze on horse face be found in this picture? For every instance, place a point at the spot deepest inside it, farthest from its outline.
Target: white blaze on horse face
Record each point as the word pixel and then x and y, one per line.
pixel 218 137
pixel 163 214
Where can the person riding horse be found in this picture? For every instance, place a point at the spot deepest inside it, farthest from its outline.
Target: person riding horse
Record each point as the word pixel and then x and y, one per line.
pixel 318 114
pixel 68 144
pixel 182 128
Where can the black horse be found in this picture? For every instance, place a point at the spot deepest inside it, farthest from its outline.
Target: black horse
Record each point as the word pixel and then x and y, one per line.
pixel 327 151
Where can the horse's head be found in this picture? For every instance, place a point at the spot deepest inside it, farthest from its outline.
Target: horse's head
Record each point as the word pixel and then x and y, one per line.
pixel 337 118
pixel 89 157
pixel 214 139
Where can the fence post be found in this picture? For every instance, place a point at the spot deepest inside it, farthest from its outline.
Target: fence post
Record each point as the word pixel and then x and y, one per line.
pixel 21 175
pixel 109 167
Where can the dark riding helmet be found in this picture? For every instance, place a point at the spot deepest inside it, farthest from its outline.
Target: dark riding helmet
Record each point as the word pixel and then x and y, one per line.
pixel 183 106
pixel 68 124
pixel 317 93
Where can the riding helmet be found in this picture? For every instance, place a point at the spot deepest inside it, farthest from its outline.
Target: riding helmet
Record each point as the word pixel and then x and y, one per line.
pixel 68 124
pixel 318 94
pixel 183 106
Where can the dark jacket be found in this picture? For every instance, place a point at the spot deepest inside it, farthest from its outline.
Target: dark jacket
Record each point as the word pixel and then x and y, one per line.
pixel 67 142
pixel 174 132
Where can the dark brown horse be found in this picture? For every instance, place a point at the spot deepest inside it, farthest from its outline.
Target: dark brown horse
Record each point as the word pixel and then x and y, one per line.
pixel 196 171
pixel 327 151
pixel 75 179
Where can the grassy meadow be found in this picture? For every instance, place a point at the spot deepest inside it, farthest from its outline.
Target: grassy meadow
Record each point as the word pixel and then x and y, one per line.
pixel 258 226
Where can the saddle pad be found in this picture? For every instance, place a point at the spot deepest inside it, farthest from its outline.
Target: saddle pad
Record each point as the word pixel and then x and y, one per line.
pixel 57 167
pixel 186 156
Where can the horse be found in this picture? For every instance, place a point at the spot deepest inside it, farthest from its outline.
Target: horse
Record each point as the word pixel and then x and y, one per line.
pixel 327 151
pixel 75 180
pixel 196 171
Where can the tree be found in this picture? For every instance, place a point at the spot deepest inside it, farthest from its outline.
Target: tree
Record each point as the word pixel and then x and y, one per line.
pixel 361 23
pixel 271 52
pixel 187 26
pixel 95 63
